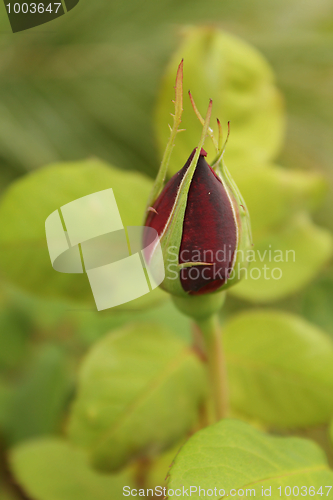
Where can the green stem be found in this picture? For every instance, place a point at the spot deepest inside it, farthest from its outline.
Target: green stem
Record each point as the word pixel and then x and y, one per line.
pixel 211 329
pixel 141 473
pixel 203 309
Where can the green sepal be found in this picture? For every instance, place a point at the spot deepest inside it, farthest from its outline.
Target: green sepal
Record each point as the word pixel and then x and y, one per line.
pixel 172 234
pixel 244 240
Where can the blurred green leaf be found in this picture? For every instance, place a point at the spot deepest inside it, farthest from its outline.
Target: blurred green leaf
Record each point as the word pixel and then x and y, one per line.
pixel 5 398
pixel 92 325
pixel 169 316
pixel 50 469
pixel 87 84
pixel 273 194
pixel 39 401
pixel 160 467
pixel 139 391
pixel 280 369
pixel 72 102
pixel 220 66
pixel 285 261
pixel 14 335
pixel 29 201
pixel 316 303
pixel 234 455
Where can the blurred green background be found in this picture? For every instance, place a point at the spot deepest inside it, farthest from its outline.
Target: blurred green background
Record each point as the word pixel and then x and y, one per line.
pixel 92 88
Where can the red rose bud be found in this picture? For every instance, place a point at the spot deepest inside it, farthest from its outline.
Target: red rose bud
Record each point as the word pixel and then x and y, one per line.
pixel 199 215
pixel 201 251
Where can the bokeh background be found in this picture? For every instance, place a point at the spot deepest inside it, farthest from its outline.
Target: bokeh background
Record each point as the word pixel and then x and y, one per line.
pixel 92 87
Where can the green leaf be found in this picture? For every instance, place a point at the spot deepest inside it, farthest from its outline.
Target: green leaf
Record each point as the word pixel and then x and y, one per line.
pixel 285 261
pixel 236 76
pixel 316 303
pixel 5 397
pixel 14 335
pixel 138 394
pixel 160 467
pixel 29 201
pixel 50 469
pixel 39 401
pixel 92 325
pixel 280 369
pixel 273 194
pixel 233 455
pixel 169 316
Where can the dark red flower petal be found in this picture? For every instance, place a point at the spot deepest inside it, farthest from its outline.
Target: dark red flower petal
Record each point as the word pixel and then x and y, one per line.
pixel 209 228
pixel 164 203
pixel 209 232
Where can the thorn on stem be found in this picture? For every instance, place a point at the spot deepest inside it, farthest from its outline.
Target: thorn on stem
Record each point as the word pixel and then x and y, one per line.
pixel 152 209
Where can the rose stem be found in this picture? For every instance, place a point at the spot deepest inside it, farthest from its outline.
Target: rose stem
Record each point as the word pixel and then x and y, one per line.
pixel 216 363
